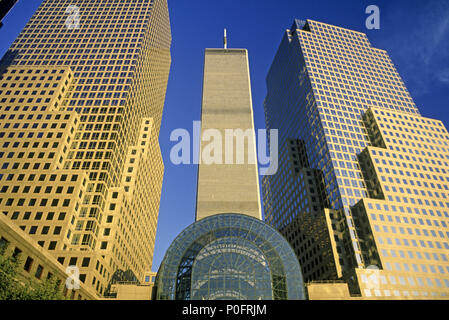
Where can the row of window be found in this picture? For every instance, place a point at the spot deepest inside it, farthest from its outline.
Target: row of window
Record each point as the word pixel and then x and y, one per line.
pixel 37 216
pixel 29 264
pixel 34 202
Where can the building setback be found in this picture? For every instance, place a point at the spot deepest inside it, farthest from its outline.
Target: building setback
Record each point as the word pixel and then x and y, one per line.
pixel 80 107
pixel 362 186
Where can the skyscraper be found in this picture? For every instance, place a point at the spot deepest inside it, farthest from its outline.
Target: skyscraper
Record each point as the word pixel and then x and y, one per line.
pixel 225 185
pixel 229 252
pixel 362 187
pixel 82 91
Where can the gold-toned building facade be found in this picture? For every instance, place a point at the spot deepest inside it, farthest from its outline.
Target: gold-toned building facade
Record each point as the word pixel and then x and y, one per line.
pixel 362 187
pixel 230 183
pixel 81 108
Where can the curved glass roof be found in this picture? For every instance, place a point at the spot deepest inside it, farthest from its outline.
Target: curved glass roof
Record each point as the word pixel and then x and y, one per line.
pixel 229 256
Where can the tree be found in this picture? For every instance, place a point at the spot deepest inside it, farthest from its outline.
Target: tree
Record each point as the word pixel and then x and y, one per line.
pixel 46 290
pixel 9 286
pixel 13 289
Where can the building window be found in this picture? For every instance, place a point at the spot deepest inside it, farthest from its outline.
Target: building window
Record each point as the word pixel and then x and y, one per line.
pixel 52 245
pixel 73 261
pixel 16 253
pixel 33 230
pixel 3 244
pixel 85 262
pixel 28 264
pixel 39 271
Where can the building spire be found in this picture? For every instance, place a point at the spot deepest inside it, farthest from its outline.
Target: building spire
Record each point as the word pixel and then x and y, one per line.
pixel 225 40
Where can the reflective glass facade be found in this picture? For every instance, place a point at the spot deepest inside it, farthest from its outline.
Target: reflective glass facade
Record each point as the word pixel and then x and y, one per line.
pixel 229 256
pixel 353 145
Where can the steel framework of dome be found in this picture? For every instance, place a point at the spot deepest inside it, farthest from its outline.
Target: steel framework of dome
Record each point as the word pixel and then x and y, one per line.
pixel 229 257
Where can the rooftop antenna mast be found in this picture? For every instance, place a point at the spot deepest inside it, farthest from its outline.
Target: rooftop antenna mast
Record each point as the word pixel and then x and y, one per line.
pixel 225 40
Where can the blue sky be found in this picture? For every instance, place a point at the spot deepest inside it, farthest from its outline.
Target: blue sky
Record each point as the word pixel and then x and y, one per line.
pixel 414 32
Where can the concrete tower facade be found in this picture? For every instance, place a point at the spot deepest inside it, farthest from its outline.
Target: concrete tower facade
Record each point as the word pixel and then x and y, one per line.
pixel 229 181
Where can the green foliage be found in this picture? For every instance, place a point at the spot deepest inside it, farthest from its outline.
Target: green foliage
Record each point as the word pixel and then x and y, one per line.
pixel 45 290
pixel 12 289
pixel 9 287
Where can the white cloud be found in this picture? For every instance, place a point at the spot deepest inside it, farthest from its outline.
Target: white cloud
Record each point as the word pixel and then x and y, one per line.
pixel 421 51
pixel 443 76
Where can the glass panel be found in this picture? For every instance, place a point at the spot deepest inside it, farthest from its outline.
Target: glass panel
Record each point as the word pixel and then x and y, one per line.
pixel 230 256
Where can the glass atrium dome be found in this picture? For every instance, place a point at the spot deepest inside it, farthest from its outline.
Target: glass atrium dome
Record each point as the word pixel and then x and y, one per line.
pixel 229 257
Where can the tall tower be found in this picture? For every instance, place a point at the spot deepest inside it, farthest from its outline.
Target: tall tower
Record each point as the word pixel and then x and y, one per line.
pixel 229 252
pixel 81 100
pixel 227 175
pixel 362 183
